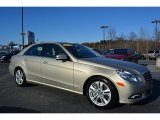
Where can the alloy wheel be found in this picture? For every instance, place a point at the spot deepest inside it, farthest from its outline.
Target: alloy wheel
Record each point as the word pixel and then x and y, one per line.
pixel 100 93
pixel 19 77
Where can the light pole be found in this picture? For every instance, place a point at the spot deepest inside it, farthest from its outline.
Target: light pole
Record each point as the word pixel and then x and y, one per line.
pixel 156 30
pixel 103 27
pixel 22 29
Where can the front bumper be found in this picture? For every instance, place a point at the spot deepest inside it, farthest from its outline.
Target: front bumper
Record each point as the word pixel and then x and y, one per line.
pixel 135 93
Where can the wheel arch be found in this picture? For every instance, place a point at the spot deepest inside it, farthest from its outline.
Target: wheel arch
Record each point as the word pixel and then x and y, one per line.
pixel 95 76
pixel 18 67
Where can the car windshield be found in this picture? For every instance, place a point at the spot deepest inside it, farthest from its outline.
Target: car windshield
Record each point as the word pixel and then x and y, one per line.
pixel 80 51
pixel 120 51
pixel 108 52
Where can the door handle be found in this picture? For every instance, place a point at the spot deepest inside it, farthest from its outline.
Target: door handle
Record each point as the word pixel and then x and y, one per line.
pixel 45 62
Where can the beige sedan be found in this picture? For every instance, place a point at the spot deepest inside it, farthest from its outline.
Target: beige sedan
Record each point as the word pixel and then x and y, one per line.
pixel 78 69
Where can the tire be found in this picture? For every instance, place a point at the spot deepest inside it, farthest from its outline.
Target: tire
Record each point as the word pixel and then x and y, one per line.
pixel 102 93
pixel 20 77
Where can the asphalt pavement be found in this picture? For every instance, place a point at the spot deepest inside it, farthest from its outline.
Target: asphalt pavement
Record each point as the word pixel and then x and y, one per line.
pixel 43 99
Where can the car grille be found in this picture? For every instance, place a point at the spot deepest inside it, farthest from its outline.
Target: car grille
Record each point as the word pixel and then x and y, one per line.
pixel 147 76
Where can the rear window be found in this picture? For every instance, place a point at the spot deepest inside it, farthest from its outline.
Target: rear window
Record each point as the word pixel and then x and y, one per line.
pixel 108 52
pixel 120 51
pixel 35 50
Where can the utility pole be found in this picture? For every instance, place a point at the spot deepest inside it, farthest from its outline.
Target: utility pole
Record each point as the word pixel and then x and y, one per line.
pixel 156 31
pixel 103 27
pixel 22 29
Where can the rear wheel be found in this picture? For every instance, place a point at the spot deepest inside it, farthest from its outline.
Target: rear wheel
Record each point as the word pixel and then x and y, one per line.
pixel 102 93
pixel 20 77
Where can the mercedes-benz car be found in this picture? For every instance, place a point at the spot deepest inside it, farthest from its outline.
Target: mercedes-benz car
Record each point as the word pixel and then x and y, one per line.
pixel 79 69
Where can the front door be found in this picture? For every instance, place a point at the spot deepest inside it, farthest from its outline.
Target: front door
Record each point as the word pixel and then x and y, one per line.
pixel 56 72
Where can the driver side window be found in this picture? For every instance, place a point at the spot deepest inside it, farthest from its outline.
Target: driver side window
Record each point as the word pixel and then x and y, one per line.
pixel 52 50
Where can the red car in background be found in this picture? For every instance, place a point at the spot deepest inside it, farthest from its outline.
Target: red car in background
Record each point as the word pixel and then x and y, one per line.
pixel 125 54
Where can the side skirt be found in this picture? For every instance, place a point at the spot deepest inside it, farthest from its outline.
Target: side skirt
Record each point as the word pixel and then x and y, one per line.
pixel 32 81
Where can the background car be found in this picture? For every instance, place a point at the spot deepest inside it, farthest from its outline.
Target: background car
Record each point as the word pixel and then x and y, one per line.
pixel 2 54
pixel 98 51
pixel 153 54
pixel 140 56
pixel 7 57
pixel 125 54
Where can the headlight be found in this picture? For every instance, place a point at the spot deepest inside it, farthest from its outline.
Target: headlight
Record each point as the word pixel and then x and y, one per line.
pixel 128 76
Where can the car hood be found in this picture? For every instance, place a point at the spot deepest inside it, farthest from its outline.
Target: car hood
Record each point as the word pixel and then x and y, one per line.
pixel 114 64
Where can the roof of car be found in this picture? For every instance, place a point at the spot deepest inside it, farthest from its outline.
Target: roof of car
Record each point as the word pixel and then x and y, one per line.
pixel 56 42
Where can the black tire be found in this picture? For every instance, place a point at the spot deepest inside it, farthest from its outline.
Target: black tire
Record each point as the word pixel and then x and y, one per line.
pixel 21 81
pixel 113 100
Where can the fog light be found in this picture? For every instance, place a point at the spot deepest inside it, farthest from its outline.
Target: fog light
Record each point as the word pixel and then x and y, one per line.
pixel 135 96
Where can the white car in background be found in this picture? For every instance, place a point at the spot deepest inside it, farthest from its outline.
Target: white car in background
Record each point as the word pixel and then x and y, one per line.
pixel 153 54
pixel 158 62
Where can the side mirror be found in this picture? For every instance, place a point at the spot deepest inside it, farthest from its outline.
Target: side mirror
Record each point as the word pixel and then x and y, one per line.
pixel 61 57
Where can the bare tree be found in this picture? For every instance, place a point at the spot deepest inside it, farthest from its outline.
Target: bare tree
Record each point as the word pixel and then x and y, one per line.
pixel 121 39
pixel 143 33
pixel 11 43
pixel 143 40
pixel 132 40
pixel 111 33
pixel 158 35
pixel 132 36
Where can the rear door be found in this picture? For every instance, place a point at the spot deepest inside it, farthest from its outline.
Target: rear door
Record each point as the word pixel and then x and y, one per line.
pixel 32 61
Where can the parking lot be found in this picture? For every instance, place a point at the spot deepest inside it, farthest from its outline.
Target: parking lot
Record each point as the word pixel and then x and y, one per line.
pixel 43 99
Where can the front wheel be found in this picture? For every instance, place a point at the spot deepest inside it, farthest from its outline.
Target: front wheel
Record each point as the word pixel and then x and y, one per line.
pixel 102 93
pixel 20 77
